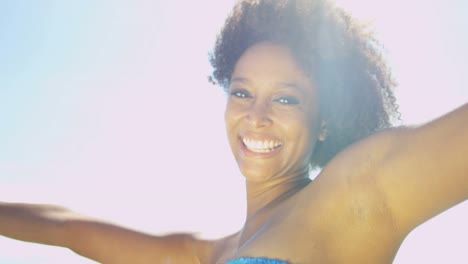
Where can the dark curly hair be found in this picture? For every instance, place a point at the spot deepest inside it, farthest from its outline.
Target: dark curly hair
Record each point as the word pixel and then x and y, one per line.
pixel 338 53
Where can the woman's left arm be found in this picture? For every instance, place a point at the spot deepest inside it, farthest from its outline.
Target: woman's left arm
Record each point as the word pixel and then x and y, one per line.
pixel 424 170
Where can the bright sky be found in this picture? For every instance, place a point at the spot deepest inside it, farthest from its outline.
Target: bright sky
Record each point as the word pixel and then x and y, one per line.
pixel 105 108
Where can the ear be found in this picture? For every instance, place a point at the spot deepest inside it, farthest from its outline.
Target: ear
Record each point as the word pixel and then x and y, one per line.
pixel 323 132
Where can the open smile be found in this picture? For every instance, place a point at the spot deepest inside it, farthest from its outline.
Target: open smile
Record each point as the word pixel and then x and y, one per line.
pixel 260 146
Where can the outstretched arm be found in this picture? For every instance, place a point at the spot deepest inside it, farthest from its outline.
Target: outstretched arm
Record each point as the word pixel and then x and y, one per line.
pixel 425 170
pixel 97 240
pixel 407 174
pixel 33 223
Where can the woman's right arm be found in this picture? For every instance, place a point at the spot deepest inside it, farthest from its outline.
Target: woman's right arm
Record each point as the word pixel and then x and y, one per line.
pixel 33 223
pixel 98 240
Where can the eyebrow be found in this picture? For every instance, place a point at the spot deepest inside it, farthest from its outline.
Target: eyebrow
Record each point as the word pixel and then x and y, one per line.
pixel 239 79
pixel 292 85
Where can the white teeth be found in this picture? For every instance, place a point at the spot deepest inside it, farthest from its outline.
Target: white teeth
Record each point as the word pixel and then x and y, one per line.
pixel 258 145
pixel 261 146
pixel 271 144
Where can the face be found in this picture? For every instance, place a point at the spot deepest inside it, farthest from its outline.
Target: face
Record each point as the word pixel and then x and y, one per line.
pixel 271 114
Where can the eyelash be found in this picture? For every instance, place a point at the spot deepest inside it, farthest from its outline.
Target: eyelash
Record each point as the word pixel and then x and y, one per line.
pixel 287 100
pixel 283 100
pixel 240 93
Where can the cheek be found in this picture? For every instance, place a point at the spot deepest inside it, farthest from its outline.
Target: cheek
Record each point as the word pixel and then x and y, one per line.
pixel 306 131
pixel 228 116
pixel 232 113
pixel 304 137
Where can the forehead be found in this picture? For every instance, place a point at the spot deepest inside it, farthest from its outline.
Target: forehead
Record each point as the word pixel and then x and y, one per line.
pixel 270 64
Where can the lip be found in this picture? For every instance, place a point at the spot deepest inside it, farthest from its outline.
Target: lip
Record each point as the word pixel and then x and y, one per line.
pixel 249 153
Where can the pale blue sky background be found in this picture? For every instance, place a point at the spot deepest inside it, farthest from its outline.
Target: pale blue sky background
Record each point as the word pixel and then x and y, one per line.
pixel 105 108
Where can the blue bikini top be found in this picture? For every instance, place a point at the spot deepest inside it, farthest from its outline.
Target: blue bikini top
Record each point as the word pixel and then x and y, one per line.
pixel 256 261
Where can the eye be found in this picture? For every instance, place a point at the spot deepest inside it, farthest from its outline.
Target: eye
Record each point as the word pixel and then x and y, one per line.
pixel 287 100
pixel 240 93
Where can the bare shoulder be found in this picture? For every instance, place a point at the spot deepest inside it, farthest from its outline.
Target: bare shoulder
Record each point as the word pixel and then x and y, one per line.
pixel 414 173
pixel 348 210
pixel 359 162
pixel 348 192
pixel 219 250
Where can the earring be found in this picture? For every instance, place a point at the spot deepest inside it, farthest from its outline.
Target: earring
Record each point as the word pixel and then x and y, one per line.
pixel 323 135
pixel 323 131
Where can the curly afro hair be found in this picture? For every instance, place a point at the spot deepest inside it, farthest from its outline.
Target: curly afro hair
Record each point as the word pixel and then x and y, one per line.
pixel 339 54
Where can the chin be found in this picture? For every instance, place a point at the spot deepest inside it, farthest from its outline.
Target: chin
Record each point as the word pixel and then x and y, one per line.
pixel 255 175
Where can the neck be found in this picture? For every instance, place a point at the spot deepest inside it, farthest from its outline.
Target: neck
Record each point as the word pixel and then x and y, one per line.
pixel 262 196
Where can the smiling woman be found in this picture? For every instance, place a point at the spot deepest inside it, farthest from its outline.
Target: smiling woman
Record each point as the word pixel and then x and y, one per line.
pixel 307 87
pixel 271 114
pixel 339 55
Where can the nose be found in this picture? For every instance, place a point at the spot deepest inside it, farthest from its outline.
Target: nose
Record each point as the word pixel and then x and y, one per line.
pixel 259 114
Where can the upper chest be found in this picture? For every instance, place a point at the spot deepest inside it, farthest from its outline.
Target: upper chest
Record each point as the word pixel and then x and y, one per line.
pixel 319 228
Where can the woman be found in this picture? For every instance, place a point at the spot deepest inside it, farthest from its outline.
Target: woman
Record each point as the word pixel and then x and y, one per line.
pixel 307 87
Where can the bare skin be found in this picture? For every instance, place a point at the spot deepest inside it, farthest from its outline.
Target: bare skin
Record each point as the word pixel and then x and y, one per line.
pixel 358 210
